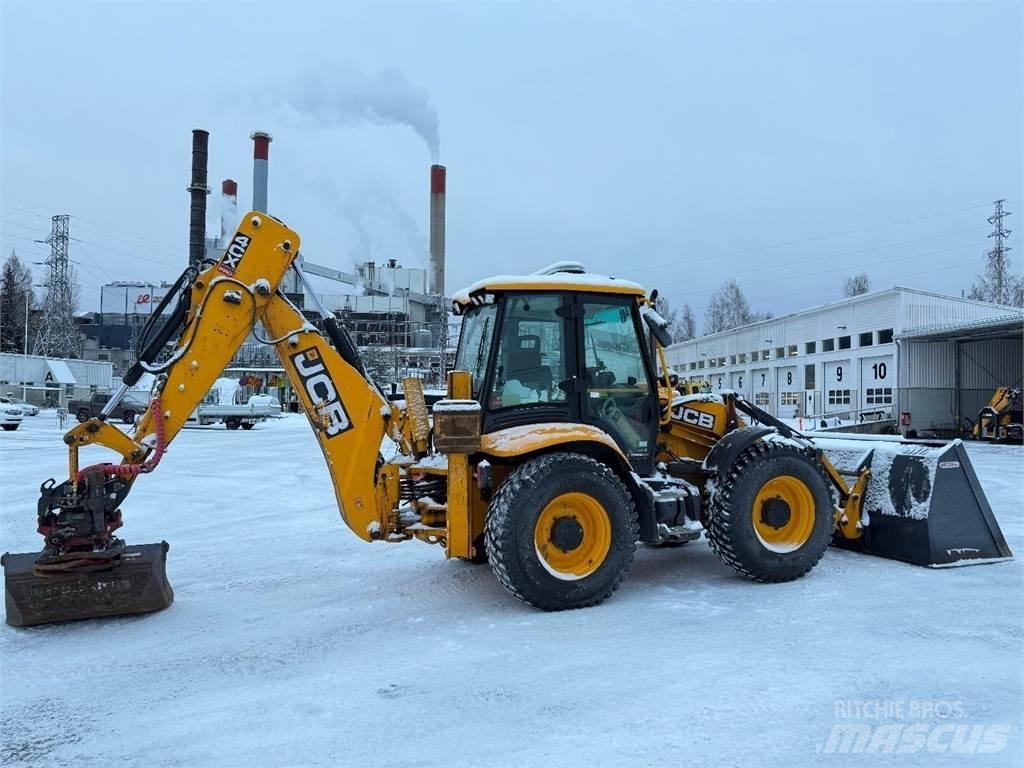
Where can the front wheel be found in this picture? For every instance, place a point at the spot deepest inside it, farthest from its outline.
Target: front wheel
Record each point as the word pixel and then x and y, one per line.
pixel 128 417
pixel 83 415
pixel 561 532
pixel 9 427
pixel 771 517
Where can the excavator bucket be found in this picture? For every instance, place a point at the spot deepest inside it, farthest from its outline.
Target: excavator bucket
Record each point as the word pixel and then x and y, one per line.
pixel 923 504
pixel 135 583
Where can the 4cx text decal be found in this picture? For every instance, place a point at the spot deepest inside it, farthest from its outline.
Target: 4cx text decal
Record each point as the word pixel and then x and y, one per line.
pixel 233 254
pixel 321 390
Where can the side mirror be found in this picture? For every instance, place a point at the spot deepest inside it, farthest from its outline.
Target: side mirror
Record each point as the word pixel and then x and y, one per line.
pixel 658 326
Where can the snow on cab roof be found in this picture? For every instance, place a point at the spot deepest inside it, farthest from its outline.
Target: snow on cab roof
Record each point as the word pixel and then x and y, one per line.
pixel 561 276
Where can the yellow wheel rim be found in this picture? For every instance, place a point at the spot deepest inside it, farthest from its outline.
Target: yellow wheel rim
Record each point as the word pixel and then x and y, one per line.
pixel 572 536
pixel 784 514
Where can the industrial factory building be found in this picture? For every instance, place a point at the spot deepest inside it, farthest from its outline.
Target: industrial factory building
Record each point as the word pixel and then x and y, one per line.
pixel 924 358
pixel 397 316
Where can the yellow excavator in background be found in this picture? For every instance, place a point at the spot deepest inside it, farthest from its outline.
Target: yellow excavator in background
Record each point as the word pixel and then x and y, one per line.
pixel 561 444
pixel 1002 419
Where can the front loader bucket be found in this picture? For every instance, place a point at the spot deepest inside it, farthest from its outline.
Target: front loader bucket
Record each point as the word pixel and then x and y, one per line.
pixel 923 504
pixel 137 584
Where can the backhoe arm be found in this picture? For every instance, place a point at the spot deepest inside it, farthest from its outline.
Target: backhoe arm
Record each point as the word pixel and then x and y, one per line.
pixel 226 302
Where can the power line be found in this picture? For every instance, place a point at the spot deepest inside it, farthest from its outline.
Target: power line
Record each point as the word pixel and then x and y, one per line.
pixel 94 223
pixel 840 268
pixel 815 238
pixel 819 291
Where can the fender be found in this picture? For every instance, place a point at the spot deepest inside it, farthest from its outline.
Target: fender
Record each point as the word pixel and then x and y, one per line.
pixel 519 442
pixel 732 445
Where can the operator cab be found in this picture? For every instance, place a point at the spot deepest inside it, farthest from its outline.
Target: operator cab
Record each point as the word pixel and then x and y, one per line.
pixel 561 347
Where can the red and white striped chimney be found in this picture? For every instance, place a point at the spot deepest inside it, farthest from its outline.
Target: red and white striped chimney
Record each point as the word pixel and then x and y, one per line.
pixel 228 208
pixel 437 195
pixel 260 171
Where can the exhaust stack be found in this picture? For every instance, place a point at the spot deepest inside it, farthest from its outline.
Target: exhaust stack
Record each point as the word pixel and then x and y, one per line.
pixel 198 190
pixel 228 208
pixel 260 157
pixel 437 201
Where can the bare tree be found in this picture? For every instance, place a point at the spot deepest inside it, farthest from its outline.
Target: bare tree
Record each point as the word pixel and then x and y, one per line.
pixel 687 324
pixel 998 285
pixel 729 308
pixel 16 301
pixel 857 285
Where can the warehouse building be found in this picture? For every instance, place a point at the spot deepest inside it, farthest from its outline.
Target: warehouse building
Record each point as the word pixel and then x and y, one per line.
pixel 850 359
pixel 52 381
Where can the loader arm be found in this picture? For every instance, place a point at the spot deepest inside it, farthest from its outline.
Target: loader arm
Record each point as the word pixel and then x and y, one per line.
pixel 227 301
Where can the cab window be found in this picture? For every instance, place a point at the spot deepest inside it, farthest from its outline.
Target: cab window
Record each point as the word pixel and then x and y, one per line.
pixel 475 343
pixel 531 352
pixel 618 390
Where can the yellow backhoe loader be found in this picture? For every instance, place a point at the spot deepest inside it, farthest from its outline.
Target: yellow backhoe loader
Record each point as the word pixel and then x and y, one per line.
pixel 561 444
pixel 1002 419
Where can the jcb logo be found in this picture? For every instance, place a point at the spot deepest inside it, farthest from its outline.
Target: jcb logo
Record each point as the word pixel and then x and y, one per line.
pixel 321 390
pixel 233 254
pixel 697 418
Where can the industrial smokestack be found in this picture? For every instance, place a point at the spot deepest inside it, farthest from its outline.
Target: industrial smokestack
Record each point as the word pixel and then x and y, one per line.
pixel 260 157
pixel 198 190
pixel 228 208
pixel 437 193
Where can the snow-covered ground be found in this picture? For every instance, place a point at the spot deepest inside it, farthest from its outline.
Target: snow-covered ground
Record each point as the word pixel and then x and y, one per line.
pixel 292 643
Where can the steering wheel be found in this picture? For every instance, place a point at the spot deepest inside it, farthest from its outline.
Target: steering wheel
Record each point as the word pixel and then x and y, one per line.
pixel 610 409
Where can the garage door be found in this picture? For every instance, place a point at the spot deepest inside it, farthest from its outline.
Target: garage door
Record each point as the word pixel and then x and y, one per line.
pixel 719 381
pixel 790 391
pixel 740 382
pixel 877 375
pixel 761 388
pixel 840 392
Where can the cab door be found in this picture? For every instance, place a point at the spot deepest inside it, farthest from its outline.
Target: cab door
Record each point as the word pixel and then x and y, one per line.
pixel 619 394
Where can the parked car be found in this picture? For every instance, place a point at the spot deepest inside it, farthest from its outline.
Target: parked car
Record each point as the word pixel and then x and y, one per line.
pixel 27 409
pixel 126 410
pixel 10 416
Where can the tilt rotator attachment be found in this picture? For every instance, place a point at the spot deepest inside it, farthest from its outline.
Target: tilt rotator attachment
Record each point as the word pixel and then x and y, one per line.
pixel 84 571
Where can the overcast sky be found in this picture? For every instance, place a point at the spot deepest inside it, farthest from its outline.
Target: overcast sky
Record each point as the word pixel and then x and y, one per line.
pixel 675 144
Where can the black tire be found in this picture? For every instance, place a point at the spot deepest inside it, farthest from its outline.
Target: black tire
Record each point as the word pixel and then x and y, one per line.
pixel 479 551
pixel 247 425
pixel 10 427
pixel 512 518
pixel 731 528
pixel 128 417
pixel 83 415
pixel 233 422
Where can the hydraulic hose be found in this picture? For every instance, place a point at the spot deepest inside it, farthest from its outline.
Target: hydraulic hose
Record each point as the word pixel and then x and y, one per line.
pixel 130 470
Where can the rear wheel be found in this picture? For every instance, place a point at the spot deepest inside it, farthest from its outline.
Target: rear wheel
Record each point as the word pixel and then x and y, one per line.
pixel 247 425
pixel 83 415
pixel 561 532
pixel 9 427
pixel 232 422
pixel 128 417
pixel 771 517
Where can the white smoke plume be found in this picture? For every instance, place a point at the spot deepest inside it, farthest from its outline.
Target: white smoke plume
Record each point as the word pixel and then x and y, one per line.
pixel 336 93
pixel 379 227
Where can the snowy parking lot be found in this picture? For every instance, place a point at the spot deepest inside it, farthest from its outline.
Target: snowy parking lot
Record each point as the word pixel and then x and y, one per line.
pixel 293 643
